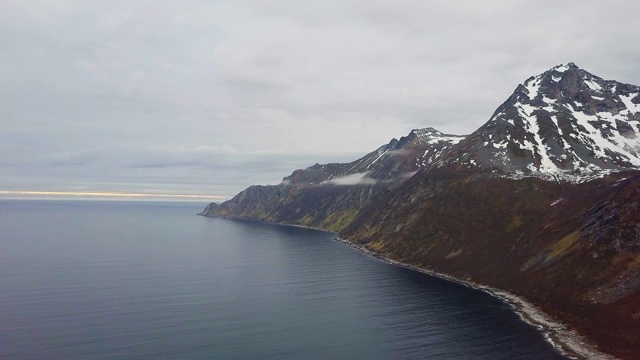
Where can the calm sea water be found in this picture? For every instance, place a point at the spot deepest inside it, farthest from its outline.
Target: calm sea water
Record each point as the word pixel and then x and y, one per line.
pixel 127 280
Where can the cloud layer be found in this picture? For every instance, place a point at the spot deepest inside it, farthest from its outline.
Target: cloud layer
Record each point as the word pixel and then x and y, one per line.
pixel 214 96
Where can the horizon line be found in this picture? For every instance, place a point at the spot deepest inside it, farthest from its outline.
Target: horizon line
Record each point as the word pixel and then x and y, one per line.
pixel 109 194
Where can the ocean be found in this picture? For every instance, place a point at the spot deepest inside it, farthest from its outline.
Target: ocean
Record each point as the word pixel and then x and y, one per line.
pixel 151 280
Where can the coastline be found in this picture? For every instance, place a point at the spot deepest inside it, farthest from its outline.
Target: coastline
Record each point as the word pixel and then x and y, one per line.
pixel 567 341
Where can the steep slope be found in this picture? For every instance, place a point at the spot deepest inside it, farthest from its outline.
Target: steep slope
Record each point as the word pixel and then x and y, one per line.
pixel 564 124
pixel 573 250
pixel 330 195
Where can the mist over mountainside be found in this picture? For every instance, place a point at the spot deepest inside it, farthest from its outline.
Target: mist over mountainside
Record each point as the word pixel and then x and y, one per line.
pixel 542 201
pixel 396 160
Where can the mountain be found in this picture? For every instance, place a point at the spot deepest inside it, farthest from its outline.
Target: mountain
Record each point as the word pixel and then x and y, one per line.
pixel 542 201
pixel 564 124
pixel 330 195
pixel 573 250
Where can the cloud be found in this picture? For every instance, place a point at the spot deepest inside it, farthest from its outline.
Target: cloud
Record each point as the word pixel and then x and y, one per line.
pixel 353 179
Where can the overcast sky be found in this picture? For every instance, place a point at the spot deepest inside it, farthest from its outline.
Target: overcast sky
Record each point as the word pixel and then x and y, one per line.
pixel 209 97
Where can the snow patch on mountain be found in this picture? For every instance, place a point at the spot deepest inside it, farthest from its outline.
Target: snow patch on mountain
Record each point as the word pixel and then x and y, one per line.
pixel 381 153
pixel 562 67
pixel 433 136
pixel 449 139
pixel 593 85
pixel 632 107
pixel 532 85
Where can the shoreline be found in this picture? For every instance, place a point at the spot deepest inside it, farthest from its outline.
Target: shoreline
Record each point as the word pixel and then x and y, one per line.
pixel 567 341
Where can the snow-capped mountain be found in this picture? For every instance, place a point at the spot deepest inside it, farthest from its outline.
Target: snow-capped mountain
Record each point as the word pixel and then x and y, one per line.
pixel 564 124
pixel 420 148
pixel 395 160
pixel 330 195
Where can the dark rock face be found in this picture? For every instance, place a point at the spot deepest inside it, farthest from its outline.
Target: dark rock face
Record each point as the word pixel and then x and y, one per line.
pixel 543 201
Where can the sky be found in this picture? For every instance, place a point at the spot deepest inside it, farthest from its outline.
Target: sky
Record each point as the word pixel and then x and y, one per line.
pixel 204 98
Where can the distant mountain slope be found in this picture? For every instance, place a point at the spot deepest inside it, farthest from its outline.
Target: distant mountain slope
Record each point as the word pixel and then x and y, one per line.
pixel 330 195
pixel 564 124
pixel 396 160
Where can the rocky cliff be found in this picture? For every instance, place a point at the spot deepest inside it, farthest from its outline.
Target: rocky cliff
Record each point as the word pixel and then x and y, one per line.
pixel 542 201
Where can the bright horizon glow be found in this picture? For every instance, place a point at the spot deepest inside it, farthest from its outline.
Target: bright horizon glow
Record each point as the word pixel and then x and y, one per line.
pixel 106 194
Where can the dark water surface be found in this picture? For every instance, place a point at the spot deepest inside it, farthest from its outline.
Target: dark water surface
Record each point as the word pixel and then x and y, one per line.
pixel 134 280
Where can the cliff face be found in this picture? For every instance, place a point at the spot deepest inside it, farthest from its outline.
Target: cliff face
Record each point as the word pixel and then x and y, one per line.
pixel 543 201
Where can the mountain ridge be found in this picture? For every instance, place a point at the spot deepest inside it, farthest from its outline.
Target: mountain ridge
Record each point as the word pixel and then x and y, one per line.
pixel 330 195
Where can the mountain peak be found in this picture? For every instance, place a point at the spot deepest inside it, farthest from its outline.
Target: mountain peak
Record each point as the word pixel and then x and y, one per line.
pixel 565 67
pixel 564 124
pixel 432 136
pixel 395 161
pixel 426 131
pixel 562 81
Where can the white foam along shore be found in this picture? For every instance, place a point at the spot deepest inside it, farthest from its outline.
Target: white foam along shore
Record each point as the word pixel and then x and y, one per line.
pixel 567 341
